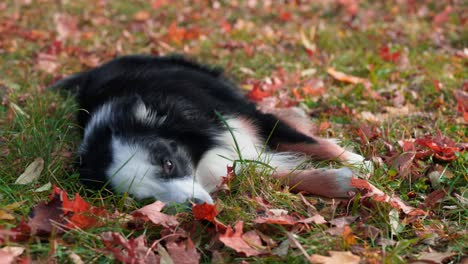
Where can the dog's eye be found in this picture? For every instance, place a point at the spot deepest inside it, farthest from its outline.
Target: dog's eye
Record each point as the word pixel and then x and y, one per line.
pixel 168 166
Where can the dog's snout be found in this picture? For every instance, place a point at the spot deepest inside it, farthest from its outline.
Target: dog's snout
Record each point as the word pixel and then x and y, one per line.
pixel 197 201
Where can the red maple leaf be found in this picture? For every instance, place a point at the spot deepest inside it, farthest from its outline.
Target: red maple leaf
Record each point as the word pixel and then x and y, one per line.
pixel 79 213
pixel 257 94
pixel 204 211
pixel 207 212
pixel 442 147
pixel 387 55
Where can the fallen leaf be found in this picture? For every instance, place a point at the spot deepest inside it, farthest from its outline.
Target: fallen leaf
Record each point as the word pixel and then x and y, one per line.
pixel 279 217
pixel 183 252
pixel 370 191
pixel 442 147
pixel 436 257
pixel 208 212
pixel 442 17
pixel 462 103
pixel 403 163
pixel 235 240
pixel 342 77
pixel 133 250
pixel 316 219
pixel 78 212
pixel 336 257
pixel 141 16
pixel 434 197
pixel 348 237
pixel 204 211
pixel 47 62
pixel 387 55
pixel 43 188
pixel 44 217
pixel 153 213
pixel 66 26
pixel 9 254
pixel 32 172
pixel 4 215
pixel 257 94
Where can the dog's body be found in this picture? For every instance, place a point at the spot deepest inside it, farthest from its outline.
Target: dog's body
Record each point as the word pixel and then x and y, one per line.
pixel 167 128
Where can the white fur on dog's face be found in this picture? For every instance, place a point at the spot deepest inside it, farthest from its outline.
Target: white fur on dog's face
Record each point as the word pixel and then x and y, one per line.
pixel 132 171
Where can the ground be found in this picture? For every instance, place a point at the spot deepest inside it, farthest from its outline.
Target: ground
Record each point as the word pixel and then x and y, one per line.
pixel 389 78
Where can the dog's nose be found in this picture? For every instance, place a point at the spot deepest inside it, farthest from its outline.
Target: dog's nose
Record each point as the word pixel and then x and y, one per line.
pixel 197 201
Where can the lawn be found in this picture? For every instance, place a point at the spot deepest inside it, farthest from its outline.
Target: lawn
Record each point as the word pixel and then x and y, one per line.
pixel 388 78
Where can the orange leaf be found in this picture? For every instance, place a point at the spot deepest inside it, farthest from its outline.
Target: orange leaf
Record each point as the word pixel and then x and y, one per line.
pixel 257 94
pixel 348 237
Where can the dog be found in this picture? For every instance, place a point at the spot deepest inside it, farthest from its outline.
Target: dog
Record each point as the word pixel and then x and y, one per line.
pixel 167 128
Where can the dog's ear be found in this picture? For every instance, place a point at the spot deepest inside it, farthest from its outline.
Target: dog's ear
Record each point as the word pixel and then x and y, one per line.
pixel 72 83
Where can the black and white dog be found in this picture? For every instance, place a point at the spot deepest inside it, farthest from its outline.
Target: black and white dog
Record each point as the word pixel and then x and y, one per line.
pixel 166 127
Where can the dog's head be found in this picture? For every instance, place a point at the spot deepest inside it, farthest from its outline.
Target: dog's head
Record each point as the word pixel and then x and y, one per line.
pixel 125 145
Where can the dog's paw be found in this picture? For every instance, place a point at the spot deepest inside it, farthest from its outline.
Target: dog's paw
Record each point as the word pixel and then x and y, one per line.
pixel 341 182
pixel 359 162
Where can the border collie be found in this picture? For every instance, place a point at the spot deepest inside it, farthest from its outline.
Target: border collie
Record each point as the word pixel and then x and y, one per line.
pixel 167 127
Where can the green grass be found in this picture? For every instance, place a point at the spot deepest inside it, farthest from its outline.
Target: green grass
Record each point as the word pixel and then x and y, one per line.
pixel 38 123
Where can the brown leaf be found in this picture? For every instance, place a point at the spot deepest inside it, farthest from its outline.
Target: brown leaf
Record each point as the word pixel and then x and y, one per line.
pixel 336 257
pixel 403 163
pixel 153 213
pixel 235 240
pixel 342 77
pixel 44 217
pixel 133 250
pixel 32 172
pixel 183 252
pixel 434 197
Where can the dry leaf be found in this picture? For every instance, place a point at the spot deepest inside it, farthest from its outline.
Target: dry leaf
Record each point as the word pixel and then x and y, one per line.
pixel 435 257
pixel 44 216
pixel 184 252
pixel 141 16
pixel 153 213
pixel 235 240
pixel 336 257
pixel 133 250
pixel 9 254
pixel 32 172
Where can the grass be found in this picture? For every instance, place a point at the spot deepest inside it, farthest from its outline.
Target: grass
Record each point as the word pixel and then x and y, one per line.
pixel 35 122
